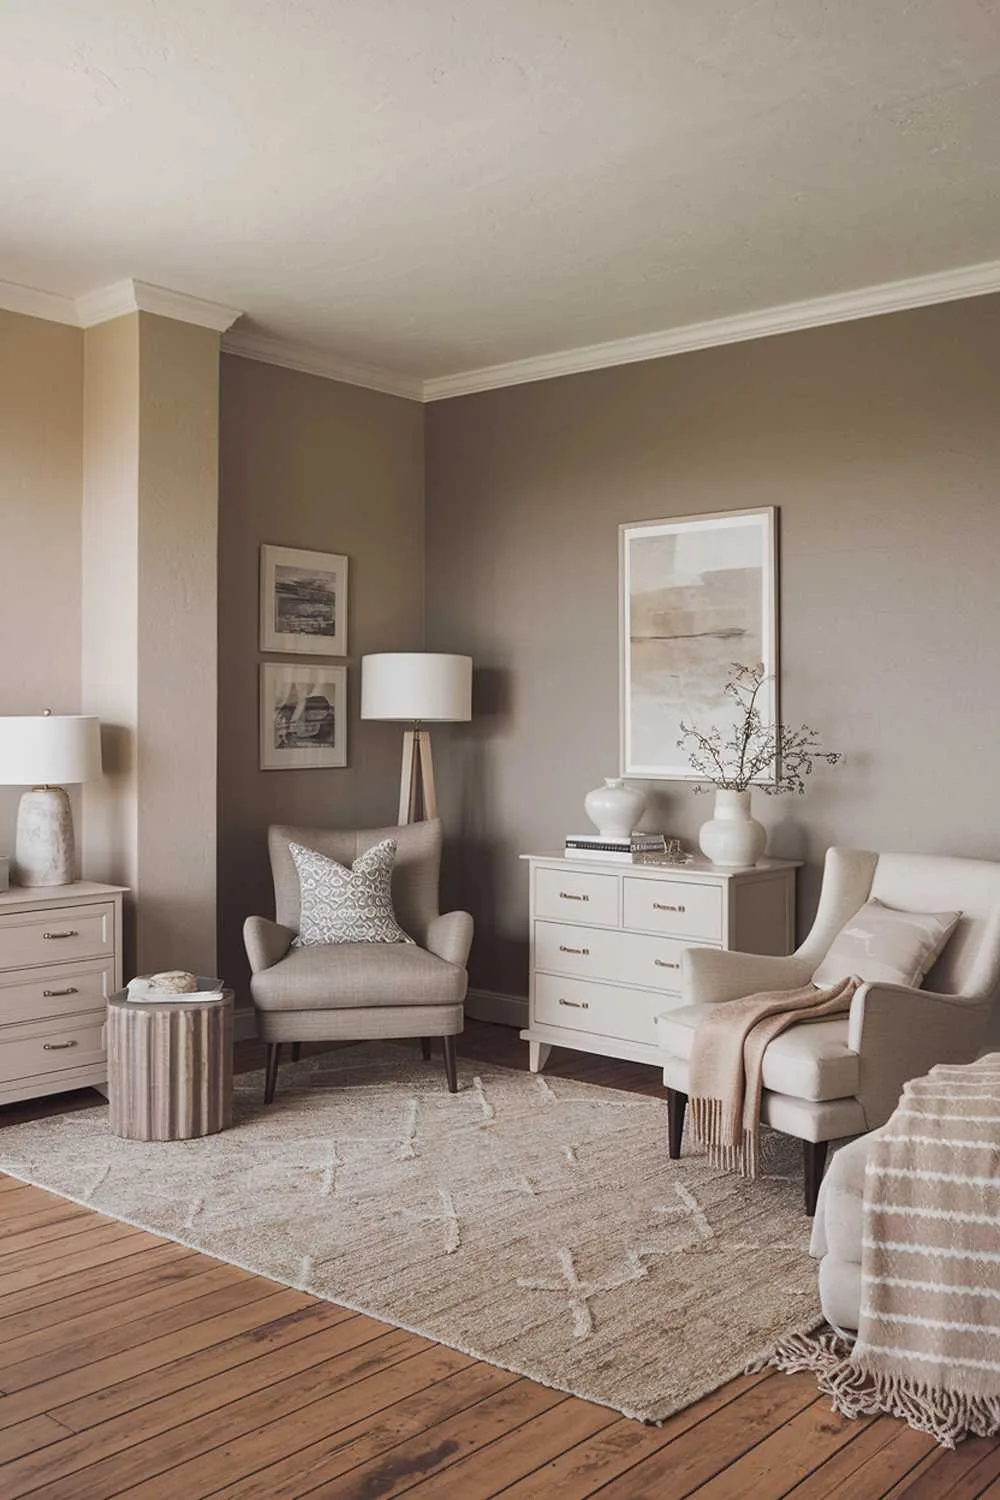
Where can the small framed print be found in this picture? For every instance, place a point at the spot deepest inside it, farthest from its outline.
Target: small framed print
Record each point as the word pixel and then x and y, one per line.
pixel 303 602
pixel 303 716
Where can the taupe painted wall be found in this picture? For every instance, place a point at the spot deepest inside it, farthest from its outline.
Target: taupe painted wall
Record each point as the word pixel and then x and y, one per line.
pixel 879 441
pixel 41 420
pixel 307 462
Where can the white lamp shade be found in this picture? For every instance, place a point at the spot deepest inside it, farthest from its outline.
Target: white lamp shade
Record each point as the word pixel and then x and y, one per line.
pixel 49 749
pixel 416 686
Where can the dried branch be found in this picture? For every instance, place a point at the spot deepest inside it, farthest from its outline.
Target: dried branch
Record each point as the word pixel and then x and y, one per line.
pixel 753 752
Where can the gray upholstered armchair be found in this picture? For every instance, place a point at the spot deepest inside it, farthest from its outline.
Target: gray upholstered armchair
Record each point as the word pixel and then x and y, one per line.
pixel 839 1077
pixel 360 991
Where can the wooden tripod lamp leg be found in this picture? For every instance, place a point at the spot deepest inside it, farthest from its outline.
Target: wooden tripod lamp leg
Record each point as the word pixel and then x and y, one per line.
pixel 408 778
pixel 416 781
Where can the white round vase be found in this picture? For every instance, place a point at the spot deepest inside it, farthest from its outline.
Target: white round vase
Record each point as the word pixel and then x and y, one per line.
pixel 614 808
pixel 732 836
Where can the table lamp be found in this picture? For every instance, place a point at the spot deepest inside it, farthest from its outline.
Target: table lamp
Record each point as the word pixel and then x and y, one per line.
pixel 416 688
pixel 44 751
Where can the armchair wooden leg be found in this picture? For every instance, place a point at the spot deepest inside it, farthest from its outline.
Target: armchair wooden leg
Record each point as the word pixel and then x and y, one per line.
pixel 425 1048
pixel 450 1064
pixel 296 1051
pixel 271 1070
pixel 676 1105
pixel 814 1157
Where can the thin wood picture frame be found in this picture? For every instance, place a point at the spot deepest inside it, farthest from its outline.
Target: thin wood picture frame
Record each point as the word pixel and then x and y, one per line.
pixel 303 601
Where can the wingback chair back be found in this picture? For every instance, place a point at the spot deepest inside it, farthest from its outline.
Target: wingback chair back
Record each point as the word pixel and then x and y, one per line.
pixel 414 877
pixel 970 962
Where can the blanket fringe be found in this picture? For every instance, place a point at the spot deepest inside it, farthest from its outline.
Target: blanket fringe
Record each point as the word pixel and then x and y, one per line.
pixel 947 1416
pixel 714 1129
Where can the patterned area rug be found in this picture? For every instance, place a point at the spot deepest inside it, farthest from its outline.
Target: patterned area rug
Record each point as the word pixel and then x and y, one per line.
pixel 533 1222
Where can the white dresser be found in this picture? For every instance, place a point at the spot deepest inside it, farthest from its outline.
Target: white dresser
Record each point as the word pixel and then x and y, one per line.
pixel 60 959
pixel 607 938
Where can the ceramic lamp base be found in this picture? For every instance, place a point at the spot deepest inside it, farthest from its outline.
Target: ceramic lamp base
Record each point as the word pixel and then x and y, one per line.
pixel 45 851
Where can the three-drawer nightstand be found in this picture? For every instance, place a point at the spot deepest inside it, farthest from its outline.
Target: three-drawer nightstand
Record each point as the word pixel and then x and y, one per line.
pixel 60 959
pixel 607 938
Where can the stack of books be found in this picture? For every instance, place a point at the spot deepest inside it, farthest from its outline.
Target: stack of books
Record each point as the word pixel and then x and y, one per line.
pixel 595 846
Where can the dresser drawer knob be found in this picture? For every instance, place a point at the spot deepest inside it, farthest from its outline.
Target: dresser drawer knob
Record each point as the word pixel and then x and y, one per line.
pixel 569 896
pixel 664 963
pixel 50 936
pixel 662 906
pixel 53 994
pixel 57 1046
pixel 580 952
pixel 575 1004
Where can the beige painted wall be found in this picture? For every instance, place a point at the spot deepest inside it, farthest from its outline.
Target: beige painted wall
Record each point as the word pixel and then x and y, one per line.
pixel 311 463
pixel 41 421
pixel 880 443
pixel 110 592
pixel 150 579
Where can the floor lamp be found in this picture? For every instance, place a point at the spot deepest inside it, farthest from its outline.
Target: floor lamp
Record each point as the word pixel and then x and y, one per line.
pixel 416 688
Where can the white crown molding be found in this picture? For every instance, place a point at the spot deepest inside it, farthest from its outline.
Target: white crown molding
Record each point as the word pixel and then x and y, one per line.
pixel 868 302
pixel 142 296
pixel 35 304
pixel 311 361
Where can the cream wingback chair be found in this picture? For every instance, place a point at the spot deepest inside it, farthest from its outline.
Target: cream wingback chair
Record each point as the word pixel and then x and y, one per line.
pixel 360 991
pixel 824 1080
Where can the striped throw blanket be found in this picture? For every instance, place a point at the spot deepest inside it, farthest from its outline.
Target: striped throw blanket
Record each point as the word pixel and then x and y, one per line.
pixel 928 1346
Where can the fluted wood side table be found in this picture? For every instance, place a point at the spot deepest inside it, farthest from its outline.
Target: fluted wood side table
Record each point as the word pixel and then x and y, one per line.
pixel 170 1067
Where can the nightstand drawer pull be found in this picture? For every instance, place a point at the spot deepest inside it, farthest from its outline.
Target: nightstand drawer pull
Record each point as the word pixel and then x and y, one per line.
pixel 53 994
pixel 71 932
pixel 57 1046
pixel 575 1004
pixel 663 963
pixel 569 896
pixel 662 906
pixel 580 952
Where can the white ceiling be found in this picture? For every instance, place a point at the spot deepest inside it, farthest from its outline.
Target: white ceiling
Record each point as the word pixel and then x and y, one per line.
pixel 435 186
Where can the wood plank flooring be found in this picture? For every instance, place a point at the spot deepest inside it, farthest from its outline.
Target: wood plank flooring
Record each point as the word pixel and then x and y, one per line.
pixel 132 1366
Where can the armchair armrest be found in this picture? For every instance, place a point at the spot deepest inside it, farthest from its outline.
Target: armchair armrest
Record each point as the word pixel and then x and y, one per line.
pixel 449 936
pixel 900 1033
pixel 265 942
pixel 711 975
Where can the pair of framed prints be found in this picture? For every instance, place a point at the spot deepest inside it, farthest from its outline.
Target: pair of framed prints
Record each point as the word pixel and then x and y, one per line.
pixel 303 704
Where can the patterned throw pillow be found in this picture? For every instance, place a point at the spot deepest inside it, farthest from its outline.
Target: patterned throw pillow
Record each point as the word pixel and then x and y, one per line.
pixel 881 944
pixel 341 905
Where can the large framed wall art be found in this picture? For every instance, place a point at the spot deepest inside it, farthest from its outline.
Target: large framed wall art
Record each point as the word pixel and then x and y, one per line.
pixel 697 595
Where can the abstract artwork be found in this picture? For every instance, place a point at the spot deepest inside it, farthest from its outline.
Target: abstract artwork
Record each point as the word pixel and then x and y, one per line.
pixel 303 602
pixel 698 594
pixel 303 716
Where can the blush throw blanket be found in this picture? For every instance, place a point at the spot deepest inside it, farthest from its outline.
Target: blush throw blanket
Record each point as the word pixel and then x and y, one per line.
pixel 725 1076
pixel 928 1346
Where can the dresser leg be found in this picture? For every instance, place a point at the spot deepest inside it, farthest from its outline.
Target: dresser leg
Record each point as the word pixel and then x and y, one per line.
pixel 676 1105
pixel 538 1055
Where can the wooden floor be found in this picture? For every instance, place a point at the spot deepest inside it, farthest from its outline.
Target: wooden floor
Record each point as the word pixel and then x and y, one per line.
pixel 132 1366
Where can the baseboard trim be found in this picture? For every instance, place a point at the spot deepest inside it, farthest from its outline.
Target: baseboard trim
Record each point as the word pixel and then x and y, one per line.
pixel 244 1024
pixel 502 1010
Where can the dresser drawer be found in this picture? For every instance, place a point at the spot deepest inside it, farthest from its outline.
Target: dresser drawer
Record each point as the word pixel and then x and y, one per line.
pixel 586 954
pixel 42 1047
pixel 675 908
pixel 653 962
pixel 64 990
pixel 57 934
pixel 568 895
pixel 602 1009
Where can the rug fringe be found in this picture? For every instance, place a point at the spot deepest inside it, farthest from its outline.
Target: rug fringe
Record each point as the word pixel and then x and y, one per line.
pixel 947 1416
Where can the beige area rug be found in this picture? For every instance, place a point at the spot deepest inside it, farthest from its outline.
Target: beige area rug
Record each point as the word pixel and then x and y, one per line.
pixel 533 1222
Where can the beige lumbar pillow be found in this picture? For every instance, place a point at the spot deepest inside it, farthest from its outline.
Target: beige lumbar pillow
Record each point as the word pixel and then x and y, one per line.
pixel 883 945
